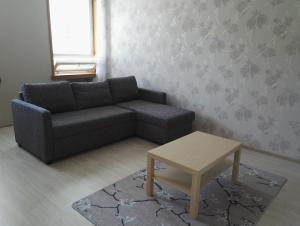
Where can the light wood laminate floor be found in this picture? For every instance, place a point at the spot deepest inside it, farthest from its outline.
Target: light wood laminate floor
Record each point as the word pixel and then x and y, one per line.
pixel 35 194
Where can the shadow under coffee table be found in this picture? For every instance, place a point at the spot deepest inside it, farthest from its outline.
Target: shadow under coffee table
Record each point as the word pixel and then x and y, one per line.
pixel 193 161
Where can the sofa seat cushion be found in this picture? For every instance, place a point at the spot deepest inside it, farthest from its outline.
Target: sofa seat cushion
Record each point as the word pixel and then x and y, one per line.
pixel 55 97
pixel 91 94
pixel 71 123
pixel 159 114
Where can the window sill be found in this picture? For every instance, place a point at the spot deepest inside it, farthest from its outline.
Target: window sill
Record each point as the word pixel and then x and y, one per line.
pixel 71 76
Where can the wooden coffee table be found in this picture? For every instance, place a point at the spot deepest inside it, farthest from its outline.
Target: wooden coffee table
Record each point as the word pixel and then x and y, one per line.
pixel 193 160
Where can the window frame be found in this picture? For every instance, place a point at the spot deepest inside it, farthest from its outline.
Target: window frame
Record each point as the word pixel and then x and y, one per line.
pixel 73 74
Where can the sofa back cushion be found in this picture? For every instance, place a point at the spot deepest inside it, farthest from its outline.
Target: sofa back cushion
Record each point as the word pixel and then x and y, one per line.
pixel 55 97
pixel 123 89
pixel 91 94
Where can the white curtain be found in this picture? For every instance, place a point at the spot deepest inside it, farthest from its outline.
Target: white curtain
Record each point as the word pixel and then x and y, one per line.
pixel 101 35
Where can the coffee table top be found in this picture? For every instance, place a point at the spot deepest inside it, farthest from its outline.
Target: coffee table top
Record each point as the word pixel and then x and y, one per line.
pixel 196 152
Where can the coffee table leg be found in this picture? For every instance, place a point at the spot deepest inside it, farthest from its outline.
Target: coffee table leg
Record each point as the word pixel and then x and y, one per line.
pixel 195 195
pixel 150 174
pixel 236 166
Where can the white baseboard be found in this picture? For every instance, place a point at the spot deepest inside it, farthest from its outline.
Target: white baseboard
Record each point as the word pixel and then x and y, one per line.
pixel 271 154
pixel 3 126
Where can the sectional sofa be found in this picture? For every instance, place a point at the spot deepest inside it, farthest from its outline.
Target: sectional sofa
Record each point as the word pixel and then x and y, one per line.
pixel 55 120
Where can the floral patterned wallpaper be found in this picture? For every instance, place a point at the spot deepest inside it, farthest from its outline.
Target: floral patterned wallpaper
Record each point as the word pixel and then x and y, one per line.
pixel 236 63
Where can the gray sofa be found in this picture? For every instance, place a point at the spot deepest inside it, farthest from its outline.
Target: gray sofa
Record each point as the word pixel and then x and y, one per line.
pixel 55 120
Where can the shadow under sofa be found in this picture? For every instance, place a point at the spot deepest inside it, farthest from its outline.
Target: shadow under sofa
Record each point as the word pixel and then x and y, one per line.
pixel 56 120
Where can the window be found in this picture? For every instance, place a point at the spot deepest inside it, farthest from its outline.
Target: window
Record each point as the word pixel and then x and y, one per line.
pixel 73 38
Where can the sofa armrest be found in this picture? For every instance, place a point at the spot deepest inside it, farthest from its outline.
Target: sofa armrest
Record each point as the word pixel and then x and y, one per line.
pixel 153 96
pixel 33 129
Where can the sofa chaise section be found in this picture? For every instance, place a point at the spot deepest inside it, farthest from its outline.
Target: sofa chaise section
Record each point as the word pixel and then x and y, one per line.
pixel 156 121
pixel 160 123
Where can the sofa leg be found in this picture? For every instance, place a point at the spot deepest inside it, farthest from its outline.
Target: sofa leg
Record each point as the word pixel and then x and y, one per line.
pixel 49 162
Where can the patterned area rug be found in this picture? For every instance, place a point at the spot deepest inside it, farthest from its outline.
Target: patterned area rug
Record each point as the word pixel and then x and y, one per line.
pixel 222 203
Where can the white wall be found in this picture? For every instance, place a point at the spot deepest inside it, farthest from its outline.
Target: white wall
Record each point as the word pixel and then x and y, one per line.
pixel 24 49
pixel 235 63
